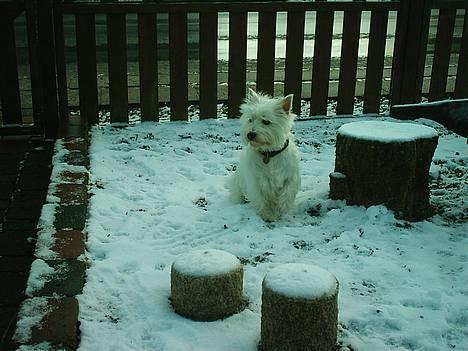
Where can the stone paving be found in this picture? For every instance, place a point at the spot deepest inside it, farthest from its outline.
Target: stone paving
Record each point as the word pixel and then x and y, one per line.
pixel 31 179
pixel 24 179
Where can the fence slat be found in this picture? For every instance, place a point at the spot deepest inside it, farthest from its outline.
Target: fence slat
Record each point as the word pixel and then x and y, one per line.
pixel 148 66
pixel 48 69
pixel 443 44
pixel 9 85
pixel 294 58
pixel 461 82
pixel 410 51
pixel 237 61
pixel 375 61
pixel 208 64
pixel 86 62
pixel 178 65
pixel 321 63
pixel 348 62
pixel 266 52
pixel 61 65
pixel 117 58
pixel 34 65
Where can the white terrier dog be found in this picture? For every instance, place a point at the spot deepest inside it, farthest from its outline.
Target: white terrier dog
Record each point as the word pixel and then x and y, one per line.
pixel 268 170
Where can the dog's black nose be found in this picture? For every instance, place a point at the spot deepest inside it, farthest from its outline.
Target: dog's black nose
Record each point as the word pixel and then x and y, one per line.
pixel 251 135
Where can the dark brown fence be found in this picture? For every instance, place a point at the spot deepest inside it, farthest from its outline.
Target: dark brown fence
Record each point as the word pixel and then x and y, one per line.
pixel 411 59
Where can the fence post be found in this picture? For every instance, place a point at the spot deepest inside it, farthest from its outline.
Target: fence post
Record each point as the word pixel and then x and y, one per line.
pixel 61 65
pixel 9 84
pixel 48 69
pixel 410 51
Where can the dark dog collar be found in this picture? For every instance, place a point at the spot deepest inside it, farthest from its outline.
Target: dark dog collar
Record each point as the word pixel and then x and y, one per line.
pixel 269 154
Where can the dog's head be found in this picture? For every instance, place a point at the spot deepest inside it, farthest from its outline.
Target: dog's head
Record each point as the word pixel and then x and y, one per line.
pixel 266 122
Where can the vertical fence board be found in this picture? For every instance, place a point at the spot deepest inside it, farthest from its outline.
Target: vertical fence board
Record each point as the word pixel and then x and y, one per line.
pixel 237 61
pixel 442 50
pixel 375 61
pixel 148 66
pixel 461 82
pixel 266 52
pixel 36 92
pixel 117 58
pixel 61 64
pixel 208 64
pixel 9 85
pixel 50 108
pixel 178 65
pixel 348 62
pixel 399 53
pixel 410 51
pixel 294 58
pixel 86 62
pixel 321 63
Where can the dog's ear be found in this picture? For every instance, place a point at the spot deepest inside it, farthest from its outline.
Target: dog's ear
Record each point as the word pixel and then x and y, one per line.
pixel 252 95
pixel 286 103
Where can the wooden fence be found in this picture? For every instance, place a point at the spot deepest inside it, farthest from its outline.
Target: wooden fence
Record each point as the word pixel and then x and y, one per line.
pixel 49 81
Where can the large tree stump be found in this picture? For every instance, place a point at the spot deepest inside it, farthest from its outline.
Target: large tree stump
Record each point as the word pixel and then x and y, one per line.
pixel 299 309
pixel 207 285
pixel 385 163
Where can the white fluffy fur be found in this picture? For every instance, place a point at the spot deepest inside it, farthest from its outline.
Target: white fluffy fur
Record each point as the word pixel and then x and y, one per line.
pixel 271 187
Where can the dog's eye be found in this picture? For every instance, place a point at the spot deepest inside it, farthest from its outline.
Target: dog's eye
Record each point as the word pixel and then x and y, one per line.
pixel 250 120
pixel 266 122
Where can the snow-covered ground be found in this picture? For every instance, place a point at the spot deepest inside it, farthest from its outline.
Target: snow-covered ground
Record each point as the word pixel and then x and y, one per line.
pixel 158 191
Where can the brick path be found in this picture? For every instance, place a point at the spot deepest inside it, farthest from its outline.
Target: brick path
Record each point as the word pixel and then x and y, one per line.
pixel 30 180
pixel 25 167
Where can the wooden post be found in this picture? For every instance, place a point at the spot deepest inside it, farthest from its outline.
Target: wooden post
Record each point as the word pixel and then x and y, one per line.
pixel 410 51
pixel 266 52
pixel 461 83
pixel 294 58
pixel 148 63
pixel 9 84
pixel 178 66
pixel 208 64
pixel 321 65
pixel 34 67
pixel 118 80
pixel 237 61
pixel 47 66
pixel 61 64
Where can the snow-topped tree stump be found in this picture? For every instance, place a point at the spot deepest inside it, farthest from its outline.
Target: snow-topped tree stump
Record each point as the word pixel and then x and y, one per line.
pixel 387 163
pixel 207 285
pixel 299 309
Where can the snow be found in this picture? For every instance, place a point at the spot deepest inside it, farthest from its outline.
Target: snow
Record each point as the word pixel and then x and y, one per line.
pixel 386 132
pixel 40 274
pixel 303 281
pixel 159 191
pixel 31 313
pixel 337 175
pixel 198 263
pixel 43 346
pixel 432 103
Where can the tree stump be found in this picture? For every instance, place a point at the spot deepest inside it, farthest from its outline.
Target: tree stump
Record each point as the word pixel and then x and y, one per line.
pixel 299 309
pixel 385 163
pixel 206 285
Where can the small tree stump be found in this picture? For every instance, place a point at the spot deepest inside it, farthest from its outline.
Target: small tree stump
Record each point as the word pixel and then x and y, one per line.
pixel 299 309
pixel 385 163
pixel 207 285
